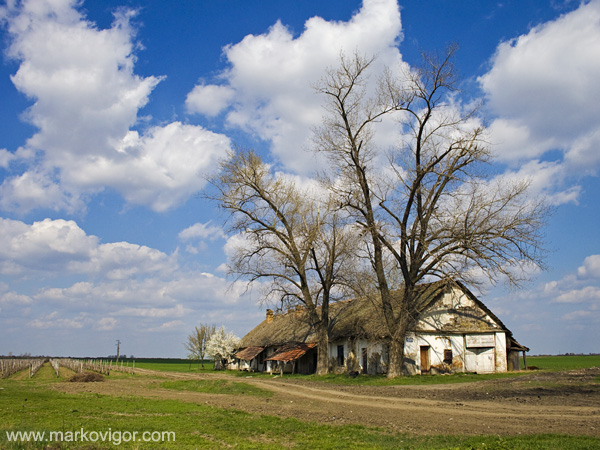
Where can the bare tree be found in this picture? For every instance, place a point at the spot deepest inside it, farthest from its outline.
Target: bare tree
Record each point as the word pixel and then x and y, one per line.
pixel 196 343
pixel 434 215
pixel 291 239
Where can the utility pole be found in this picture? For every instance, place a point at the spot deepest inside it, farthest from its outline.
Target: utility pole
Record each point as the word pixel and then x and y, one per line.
pixel 118 347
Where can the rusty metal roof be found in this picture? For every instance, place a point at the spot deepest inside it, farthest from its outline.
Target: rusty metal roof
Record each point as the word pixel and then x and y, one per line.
pixel 292 352
pixel 248 353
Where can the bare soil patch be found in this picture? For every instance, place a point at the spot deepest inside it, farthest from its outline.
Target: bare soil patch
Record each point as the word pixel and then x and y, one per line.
pixel 546 402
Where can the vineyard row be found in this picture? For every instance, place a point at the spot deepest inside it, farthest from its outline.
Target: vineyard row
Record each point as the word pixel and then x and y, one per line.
pixel 10 366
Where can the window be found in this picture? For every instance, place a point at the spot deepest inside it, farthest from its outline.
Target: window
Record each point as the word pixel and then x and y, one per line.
pixel 340 355
pixel 448 356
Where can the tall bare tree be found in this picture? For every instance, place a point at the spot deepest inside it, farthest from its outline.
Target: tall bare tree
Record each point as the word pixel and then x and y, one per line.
pixel 196 343
pixel 434 215
pixel 291 240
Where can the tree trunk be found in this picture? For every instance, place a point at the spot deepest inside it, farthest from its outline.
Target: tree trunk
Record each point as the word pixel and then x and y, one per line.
pixel 323 336
pixel 396 358
pixel 323 350
pixel 396 364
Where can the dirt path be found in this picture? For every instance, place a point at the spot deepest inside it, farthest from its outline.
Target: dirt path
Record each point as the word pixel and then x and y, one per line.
pixel 565 402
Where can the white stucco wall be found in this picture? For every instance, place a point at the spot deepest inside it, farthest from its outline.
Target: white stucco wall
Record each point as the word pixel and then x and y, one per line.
pixel 475 352
pixel 479 346
pixel 445 312
pixel 501 352
pixel 356 347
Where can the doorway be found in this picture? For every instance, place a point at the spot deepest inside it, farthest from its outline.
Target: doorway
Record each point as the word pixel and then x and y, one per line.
pixel 425 366
pixel 340 355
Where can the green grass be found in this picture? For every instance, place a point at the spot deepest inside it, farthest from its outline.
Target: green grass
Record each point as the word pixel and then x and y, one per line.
pixel 174 365
pixel 216 387
pixel 563 362
pixel 35 407
pixel 542 362
pixel 381 380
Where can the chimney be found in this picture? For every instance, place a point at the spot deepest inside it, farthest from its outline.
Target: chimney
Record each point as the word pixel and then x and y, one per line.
pixel 269 315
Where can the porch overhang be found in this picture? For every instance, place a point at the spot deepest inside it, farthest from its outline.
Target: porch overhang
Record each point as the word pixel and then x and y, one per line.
pixel 248 353
pixel 292 352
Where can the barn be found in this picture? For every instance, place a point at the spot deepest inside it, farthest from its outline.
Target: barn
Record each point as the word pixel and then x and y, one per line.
pixel 455 332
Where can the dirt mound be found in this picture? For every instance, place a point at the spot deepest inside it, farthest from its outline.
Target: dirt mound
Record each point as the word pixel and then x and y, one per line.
pixel 86 377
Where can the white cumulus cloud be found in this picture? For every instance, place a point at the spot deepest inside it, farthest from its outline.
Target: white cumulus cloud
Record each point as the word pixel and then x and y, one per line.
pixel 209 100
pixel 590 267
pixel 542 89
pixel 61 247
pixel 86 97
pixel 269 80
pixel 202 231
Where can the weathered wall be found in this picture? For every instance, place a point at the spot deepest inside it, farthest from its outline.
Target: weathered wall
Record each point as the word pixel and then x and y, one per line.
pixel 376 354
pixel 470 352
pixel 455 334
pixel 456 312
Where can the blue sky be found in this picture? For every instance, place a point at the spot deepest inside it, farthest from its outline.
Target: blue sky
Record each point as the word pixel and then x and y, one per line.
pixel 112 113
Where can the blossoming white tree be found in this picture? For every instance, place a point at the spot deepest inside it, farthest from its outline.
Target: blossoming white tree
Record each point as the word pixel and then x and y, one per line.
pixel 221 346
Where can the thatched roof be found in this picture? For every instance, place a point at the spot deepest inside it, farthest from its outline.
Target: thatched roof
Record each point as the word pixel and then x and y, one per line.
pixel 359 317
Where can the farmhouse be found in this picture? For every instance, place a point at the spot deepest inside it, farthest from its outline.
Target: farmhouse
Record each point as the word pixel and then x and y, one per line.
pixel 455 332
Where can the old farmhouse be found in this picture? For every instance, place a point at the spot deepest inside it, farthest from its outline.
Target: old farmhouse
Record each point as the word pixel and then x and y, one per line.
pixel 455 332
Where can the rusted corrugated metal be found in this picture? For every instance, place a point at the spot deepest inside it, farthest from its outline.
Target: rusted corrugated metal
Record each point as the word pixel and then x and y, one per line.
pixel 292 352
pixel 248 353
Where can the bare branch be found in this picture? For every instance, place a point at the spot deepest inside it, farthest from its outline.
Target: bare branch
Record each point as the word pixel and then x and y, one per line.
pixel 437 217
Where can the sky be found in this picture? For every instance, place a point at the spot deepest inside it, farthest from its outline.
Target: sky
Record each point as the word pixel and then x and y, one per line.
pixel 113 113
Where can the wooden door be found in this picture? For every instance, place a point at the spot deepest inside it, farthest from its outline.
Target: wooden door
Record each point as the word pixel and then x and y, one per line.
pixel 425 359
pixel 480 360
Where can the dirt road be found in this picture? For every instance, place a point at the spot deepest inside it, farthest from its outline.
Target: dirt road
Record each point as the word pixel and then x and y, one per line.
pixel 560 402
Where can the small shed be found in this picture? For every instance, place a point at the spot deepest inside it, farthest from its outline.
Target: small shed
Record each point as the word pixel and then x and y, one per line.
pixel 514 360
pixel 297 358
pixel 250 358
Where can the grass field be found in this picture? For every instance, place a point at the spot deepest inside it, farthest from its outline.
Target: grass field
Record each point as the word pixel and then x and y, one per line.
pixel 32 405
pixel 28 406
pixel 541 362
pixel 563 362
pixel 216 387
pixel 381 380
pixel 173 365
